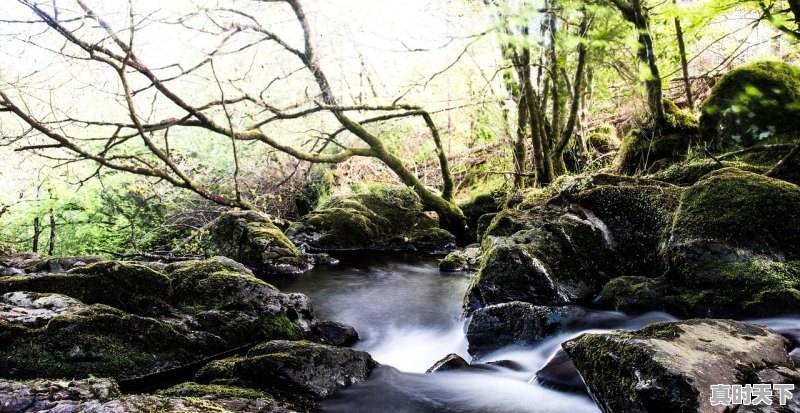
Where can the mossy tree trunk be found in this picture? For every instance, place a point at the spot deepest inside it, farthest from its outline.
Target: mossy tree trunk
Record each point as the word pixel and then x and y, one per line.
pixel 634 12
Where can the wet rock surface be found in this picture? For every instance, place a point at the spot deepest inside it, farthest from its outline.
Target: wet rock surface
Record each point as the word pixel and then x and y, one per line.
pixel 669 367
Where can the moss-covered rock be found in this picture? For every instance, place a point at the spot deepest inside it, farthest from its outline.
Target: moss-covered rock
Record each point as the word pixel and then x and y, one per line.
pixel 381 218
pixel 253 240
pixel 603 138
pixel 753 104
pixel 67 339
pixel 129 287
pixel 635 215
pixel 103 395
pixel 517 324
pixel 468 259
pixel 652 150
pixel 223 297
pixel 541 256
pixel 730 216
pixel 481 202
pixel 292 369
pixel 670 367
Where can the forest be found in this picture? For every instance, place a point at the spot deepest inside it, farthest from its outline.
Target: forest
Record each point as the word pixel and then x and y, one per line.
pixel 544 206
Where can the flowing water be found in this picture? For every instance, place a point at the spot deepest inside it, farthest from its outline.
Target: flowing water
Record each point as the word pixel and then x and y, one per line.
pixel 408 316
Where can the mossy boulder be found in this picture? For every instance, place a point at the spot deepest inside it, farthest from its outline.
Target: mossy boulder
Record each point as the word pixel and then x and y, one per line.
pixel 519 324
pixel 103 395
pixel 603 138
pixel 481 202
pixel 292 370
pixel 731 216
pixel 753 104
pixel 129 287
pixel 635 215
pixel 223 297
pixel 89 321
pixel 541 256
pixel 652 149
pixel 255 241
pixel 380 218
pixel 468 259
pixel 67 339
pixel 670 367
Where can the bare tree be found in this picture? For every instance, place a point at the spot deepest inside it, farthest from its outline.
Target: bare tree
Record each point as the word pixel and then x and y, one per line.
pixel 238 114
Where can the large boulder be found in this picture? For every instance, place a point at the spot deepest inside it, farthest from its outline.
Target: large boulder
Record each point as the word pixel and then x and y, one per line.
pixel 670 367
pixel 255 241
pixel 103 395
pixel 541 256
pixel 124 320
pixel 293 370
pixel 223 297
pixel 522 324
pixel 738 228
pixel 382 218
pixel 129 287
pixel 753 104
pixel 54 336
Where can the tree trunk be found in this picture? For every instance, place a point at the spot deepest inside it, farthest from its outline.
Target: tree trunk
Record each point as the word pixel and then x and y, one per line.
pixel 577 93
pixel 655 98
pixel 51 246
pixel 687 84
pixel 37 230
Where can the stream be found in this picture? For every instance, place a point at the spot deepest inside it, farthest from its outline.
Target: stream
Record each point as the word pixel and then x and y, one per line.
pixel 407 314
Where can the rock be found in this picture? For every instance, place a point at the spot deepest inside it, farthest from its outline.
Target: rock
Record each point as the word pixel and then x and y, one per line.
pixel 89 320
pixel 384 218
pixel 603 138
pixel 753 104
pixel 54 336
pixel 224 298
pixel 635 215
pixel 541 256
pixel 103 395
pixel 449 362
pixel 648 150
pixel 64 264
pixel 468 259
pixel 129 287
pixel 292 369
pixel 560 373
pixel 721 237
pixel 669 367
pixel 334 333
pixel 480 203
pixel 522 324
pixel 253 240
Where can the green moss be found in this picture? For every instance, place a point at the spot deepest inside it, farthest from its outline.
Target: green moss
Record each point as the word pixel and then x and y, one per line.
pixel 129 287
pixel 455 261
pixel 687 173
pixel 252 239
pixel 754 103
pixel 99 341
pixel 216 391
pixel 603 138
pixel 652 150
pixel 377 217
pixel 742 209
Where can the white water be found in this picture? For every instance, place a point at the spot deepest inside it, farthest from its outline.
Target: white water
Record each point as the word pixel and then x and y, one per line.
pixel 407 314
